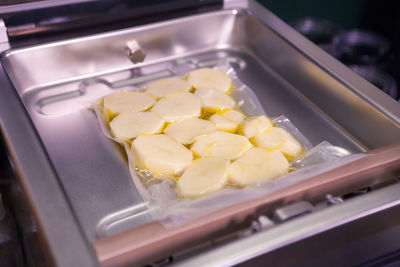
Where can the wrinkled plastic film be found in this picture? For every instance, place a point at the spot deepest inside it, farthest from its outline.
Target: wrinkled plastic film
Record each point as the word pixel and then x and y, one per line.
pixel 246 99
pixel 172 211
pixel 284 123
pixel 105 128
pixel 324 152
pixel 179 212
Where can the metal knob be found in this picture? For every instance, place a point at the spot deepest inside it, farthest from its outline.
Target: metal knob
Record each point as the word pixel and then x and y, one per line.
pixel 134 52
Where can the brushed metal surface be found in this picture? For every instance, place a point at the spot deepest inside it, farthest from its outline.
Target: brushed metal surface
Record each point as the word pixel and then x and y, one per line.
pixel 37 176
pixel 293 210
pixel 56 81
pixel 259 248
pixel 143 244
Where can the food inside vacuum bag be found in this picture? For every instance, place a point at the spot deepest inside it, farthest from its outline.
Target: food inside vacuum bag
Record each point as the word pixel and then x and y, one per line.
pixel 191 130
pixel 121 101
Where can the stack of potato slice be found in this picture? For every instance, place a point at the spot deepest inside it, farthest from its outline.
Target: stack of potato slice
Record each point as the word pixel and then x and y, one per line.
pixel 191 129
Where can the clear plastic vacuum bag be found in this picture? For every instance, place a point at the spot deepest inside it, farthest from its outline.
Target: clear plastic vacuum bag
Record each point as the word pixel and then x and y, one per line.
pixel 172 211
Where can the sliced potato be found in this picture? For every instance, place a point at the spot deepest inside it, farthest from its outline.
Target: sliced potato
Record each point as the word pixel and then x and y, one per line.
pixel 204 176
pixel 223 124
pixel 128 124
pixel 221 144
pixel 178 107
pixel 258 165
pixel 255 125
pixel 127 101
pixel 161 154
pixel 168 86
pixel 210 78
pixel 278 138
pixel 234 115
pixel 214 100
pixel 187 131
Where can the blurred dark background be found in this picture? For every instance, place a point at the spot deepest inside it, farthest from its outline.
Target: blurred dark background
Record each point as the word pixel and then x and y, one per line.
pixel 343 12
pixel 375 16
pixel 380 16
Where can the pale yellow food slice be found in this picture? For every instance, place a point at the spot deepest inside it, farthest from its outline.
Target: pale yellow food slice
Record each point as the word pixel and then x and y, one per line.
pixel 278 138
pixel 254 125
pixel 127 101
pixel 258 165
pixel 234 115
pixel 223 124
pixel 187 131
pixel 161 154
pixel 221 144
pixel 128 124
pixel 270 139
pixel 214 100
pixel 168 86
pixel 204 176
pixel 178 107
pixel 210 78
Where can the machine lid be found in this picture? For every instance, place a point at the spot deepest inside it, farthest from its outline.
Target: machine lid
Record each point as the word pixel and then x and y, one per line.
pixel 32 17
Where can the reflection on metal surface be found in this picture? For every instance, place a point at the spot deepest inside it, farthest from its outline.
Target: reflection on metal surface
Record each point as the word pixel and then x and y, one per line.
pixel 262 223
pixel 154 239
pixel 325 100
pixel 240 64
pixel 108 224
pixel 265 242
pixel 141 79
pixel 3 36
pixel 293 210
pixel 96 65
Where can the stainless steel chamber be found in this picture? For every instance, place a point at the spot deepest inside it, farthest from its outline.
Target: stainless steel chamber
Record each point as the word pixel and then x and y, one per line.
pixel 78 182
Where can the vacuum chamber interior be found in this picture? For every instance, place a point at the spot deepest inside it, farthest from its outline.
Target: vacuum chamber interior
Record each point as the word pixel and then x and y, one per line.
pixel 57 82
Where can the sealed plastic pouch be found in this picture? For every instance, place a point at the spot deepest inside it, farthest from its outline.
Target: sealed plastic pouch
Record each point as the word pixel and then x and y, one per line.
pixel 161 190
